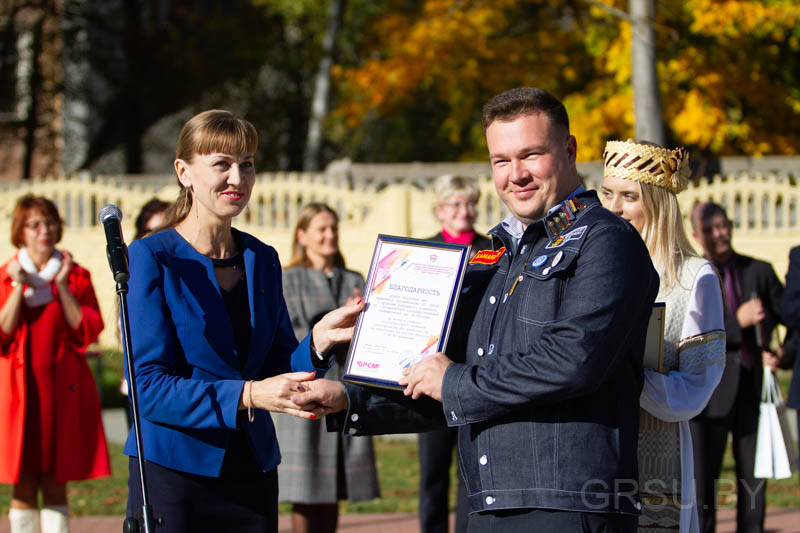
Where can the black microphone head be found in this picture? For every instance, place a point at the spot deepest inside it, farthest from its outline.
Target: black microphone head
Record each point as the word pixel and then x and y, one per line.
pixel 109 211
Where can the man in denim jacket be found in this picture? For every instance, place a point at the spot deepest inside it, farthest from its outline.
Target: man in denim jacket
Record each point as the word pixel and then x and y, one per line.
pixel 544 368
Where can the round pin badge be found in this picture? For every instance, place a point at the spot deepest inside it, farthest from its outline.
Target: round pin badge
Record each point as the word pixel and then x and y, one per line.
pixel 539 261
pixel 557 259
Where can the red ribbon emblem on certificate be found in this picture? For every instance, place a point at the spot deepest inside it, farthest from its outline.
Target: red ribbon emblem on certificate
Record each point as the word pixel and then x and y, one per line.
pixel 488 257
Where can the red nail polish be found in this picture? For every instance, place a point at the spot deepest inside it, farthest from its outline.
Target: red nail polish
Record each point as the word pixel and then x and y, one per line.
pixel 313 416
pixel 359 301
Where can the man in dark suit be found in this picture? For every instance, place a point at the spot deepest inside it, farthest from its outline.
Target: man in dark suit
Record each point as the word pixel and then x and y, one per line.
pixel 790 311
pixel 753 298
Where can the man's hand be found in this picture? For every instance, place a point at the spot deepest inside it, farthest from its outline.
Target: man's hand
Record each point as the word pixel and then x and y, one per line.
pixel 336 326
pixel 275 394
pixel 771 360
pixel 322 397
pixel 750 313
pixel 426 377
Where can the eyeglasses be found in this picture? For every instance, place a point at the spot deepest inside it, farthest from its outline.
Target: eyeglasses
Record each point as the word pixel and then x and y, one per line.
pixel 455 206
pixel 36 225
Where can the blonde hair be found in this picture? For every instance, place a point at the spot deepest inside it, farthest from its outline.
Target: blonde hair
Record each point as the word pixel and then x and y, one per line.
pixel 664 233
pixel 450 184
pixel 209 132
pixel 307 212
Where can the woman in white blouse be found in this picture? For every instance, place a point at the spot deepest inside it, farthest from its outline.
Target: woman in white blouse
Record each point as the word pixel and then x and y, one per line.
pixel 640 184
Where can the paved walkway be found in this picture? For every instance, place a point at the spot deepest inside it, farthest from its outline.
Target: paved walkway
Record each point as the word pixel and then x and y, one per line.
pixel 779 520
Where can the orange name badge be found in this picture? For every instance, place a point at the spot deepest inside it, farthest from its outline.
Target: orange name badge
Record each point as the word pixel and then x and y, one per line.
pixel 488 257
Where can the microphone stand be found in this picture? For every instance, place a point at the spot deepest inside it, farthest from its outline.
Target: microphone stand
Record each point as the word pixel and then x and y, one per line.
pixel 143 521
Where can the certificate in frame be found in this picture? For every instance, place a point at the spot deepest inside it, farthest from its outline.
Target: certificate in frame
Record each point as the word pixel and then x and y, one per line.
pixel 411 293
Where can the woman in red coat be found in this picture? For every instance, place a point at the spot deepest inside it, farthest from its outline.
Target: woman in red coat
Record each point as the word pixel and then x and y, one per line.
pixel 49 411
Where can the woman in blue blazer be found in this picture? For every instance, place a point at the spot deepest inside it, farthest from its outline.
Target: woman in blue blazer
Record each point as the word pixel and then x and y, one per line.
pixel 213 345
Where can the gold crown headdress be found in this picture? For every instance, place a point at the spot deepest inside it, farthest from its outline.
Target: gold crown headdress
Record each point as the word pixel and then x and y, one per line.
pixel 648 164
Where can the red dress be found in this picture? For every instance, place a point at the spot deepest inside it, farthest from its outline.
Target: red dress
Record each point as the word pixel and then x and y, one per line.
pixel 49 410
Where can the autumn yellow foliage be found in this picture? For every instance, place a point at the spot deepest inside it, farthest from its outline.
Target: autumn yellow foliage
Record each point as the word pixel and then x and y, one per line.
pixel 728 69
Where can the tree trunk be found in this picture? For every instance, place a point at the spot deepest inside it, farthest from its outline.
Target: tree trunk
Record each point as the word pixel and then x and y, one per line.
pixel 648 124
pixel 34 88
pixel 322 83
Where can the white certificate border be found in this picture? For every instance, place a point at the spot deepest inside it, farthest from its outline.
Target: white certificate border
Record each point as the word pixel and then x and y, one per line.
pixel 451 304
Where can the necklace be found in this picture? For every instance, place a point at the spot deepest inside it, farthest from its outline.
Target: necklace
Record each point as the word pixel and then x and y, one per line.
pixel 226 262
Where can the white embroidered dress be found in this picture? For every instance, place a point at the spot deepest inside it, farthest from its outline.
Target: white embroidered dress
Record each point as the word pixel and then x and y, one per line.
pixel 694 355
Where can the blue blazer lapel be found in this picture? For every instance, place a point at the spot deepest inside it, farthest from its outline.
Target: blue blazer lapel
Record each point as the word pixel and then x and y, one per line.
pixel 255 359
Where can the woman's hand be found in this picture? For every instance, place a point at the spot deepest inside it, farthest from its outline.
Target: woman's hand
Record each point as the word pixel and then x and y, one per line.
pixel 336 327
pixel 16 273
pixel 69 303
pixel 275 394
pixel 323 397
pixel 66 267
pixel 9 313
pixel 355 298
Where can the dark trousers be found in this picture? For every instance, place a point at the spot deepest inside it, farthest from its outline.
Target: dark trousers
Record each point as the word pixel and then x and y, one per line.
pixel 435 458
pixel 242 499
pixel 709 438
pixel 542 520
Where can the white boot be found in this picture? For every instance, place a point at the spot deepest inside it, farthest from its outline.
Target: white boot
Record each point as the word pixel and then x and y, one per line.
pixel 24 520
pixel 55 519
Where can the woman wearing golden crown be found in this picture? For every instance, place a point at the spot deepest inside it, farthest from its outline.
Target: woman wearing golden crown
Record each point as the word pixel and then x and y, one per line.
pixel 640 183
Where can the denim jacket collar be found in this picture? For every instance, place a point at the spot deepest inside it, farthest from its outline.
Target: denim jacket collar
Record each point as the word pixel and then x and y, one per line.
pixel 509 232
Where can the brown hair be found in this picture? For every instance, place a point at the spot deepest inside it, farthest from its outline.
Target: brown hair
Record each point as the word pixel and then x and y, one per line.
pixel 307 212
pixel 150 209
pixel 22 209
pixel 209 132
pixel 523 101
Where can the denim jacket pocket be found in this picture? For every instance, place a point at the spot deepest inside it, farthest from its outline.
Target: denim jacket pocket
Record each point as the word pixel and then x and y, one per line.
pixel 556 263
pixel 543 287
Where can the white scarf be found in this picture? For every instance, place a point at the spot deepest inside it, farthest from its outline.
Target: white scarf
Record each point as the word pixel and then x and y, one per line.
pixel 38 291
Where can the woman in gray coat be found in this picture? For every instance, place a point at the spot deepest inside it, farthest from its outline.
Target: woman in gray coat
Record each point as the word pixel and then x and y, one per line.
pixel 319 468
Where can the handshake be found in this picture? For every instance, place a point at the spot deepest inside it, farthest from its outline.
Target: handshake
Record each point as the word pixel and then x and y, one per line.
pixel 301 395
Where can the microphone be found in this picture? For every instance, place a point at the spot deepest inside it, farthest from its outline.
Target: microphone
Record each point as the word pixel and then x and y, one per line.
pixel 110 217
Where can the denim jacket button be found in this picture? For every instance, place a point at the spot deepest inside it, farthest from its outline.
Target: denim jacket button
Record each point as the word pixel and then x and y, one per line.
pixel 484 460
pixel 492 300
pixel 353 431
pixel 354 417
pixel 522 250
pixel 489 500
pixel 480 352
